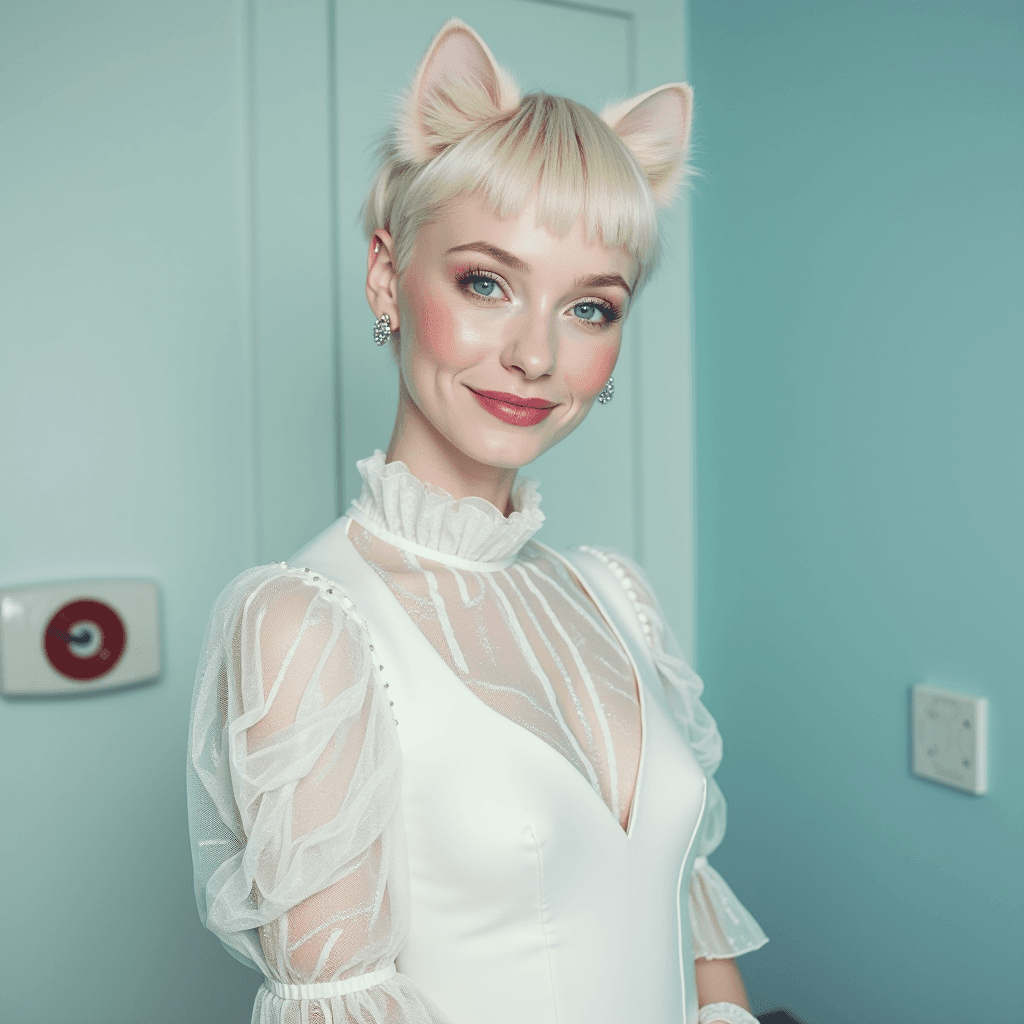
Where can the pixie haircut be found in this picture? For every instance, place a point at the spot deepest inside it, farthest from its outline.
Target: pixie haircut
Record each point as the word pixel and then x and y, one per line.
pixel 462 130
pixel 577 164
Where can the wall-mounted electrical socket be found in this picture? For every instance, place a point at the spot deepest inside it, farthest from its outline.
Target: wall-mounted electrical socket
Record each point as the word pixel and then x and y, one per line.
pixel 950 738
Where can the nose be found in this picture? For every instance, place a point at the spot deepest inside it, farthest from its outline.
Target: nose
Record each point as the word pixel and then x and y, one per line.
pixel 533 346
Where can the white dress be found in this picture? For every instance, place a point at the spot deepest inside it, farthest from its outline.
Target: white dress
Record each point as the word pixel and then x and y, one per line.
pixel 440 773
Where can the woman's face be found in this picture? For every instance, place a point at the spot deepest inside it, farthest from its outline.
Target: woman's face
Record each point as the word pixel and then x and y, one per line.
pixel 508 332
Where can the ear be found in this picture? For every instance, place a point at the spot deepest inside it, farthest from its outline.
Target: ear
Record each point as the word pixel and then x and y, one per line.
pixel 382 277
pixel 655 126
pixel 458 86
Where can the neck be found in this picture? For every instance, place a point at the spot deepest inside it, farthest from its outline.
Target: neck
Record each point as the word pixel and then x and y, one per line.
pixel 432 458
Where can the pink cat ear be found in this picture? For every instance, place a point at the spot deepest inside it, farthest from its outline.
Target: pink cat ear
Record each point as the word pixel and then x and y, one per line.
pixel 458 86
pixel 655 126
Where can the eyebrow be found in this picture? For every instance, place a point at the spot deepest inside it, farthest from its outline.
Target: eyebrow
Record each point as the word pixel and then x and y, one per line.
pixel 602 281
pixel 503 256
pixel 507 259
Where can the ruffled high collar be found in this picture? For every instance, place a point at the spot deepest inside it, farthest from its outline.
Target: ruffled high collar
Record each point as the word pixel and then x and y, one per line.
pixel 398 506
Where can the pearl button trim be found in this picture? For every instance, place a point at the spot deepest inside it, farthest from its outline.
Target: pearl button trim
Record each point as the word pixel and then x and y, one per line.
pixel 328 587
pixel 627 585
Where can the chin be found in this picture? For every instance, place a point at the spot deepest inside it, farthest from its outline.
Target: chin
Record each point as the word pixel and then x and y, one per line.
pixel 502 452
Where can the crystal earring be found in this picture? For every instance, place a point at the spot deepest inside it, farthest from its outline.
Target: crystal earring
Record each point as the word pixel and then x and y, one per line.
pixel 382 329
pixel 604 396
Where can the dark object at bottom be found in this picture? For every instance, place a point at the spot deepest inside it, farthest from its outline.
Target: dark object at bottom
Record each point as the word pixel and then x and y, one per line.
pixel 778 1017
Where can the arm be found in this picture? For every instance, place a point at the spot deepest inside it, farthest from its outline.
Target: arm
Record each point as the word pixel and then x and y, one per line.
pixel 720 981
pixel 721 927
pixel 294 804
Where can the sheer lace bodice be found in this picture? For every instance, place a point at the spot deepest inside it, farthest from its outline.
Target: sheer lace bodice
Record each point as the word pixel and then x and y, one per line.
pixel 295 760
pixel 525 639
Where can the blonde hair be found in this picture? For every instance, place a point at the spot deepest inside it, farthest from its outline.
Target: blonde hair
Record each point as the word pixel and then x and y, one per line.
pixel 575 160
pixel 462 129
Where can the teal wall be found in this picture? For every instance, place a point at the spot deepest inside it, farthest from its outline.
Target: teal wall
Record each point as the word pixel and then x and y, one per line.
pixel 859 352
pixel 127 423
pixel 859 319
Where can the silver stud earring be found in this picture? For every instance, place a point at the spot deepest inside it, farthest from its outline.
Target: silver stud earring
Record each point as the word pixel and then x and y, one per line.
pixel 604 396
pixel 382 329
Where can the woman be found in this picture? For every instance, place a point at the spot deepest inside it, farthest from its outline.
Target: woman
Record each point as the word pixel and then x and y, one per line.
pixel 428 738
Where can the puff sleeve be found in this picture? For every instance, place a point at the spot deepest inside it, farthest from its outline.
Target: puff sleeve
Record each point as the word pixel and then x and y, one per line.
pixel 721 926
pixel 294 776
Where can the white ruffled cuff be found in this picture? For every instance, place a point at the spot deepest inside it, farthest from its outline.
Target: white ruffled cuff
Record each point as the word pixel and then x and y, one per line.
pixel 721 926
pixel 728 1013
pixel 381 995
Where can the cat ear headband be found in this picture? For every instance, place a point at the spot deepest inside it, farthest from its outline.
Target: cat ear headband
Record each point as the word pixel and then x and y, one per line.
pixel 459 85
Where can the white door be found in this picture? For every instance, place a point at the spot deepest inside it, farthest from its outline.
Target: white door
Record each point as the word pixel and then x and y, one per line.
pixel 624 478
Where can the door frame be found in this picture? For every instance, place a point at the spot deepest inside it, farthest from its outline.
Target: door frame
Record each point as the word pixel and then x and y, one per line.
pixel 297 428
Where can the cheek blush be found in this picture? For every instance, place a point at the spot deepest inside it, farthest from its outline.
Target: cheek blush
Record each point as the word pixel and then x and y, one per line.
pixel 435 325
pixel 592 377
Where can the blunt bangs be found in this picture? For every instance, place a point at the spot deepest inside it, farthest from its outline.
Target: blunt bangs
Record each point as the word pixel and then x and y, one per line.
pixel 573 160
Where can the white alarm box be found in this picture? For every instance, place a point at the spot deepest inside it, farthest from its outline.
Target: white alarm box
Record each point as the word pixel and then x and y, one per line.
pixel 78 637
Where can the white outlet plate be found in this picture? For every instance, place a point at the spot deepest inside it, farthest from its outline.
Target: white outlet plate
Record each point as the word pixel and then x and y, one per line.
pixel 950 738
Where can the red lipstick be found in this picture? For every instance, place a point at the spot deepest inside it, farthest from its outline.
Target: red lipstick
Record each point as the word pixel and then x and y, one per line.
pixel 520 412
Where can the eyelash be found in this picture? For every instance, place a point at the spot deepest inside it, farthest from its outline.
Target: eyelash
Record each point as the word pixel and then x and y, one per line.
pixel 611 312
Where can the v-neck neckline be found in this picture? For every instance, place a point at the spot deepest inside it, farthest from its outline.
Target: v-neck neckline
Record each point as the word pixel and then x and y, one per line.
pixel 632 816
pixel 637 681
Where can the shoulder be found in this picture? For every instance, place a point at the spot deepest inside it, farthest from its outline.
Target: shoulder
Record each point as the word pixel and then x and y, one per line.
pixel 612 563
pixel 619 581
pixel 624 568
pixel 280 600
pixel 280 625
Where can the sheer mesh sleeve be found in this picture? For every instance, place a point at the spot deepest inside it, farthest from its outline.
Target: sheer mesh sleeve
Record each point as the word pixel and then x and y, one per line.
pixel 720 925
pixel 294 776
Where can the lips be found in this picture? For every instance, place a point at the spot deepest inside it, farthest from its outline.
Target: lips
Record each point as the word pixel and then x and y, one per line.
pixel 507 399
pixel 513 409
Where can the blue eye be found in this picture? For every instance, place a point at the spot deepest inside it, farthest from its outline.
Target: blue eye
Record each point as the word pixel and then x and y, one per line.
pixel 588 311
pixel 484 286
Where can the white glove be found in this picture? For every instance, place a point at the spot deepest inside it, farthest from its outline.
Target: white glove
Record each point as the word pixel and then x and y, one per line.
pixel 724 1013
